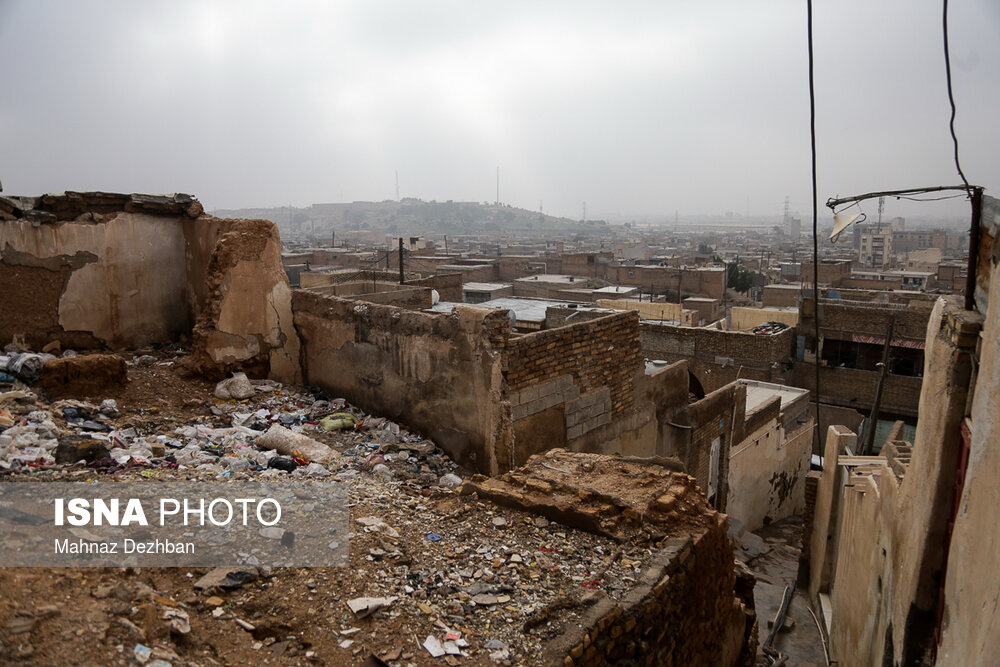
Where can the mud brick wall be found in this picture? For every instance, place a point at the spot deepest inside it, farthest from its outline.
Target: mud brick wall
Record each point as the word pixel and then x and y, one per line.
pixel 687 608
pixel 575 361
pixel 854 388
pixel 416 298
pixel 437 374
pixel 725 355
pixel 721 414
pixel 448 285
pixel 842 319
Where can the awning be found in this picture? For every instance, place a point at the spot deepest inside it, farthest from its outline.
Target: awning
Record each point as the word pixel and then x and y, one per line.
pixel 880 340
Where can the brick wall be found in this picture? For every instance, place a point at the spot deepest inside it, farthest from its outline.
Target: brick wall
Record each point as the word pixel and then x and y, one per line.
pixel 781 296
pixel 726 354
pixel 719 415
pixel 688 607
pixel 841 319
pixel 414 298
pixel 448 285
pixel 853 388
pixel 602 353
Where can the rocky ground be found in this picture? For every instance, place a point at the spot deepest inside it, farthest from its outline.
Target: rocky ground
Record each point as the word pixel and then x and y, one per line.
pixel 456 575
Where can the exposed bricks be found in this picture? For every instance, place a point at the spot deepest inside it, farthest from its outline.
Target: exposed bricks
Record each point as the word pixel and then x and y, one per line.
pixel 602 353
pixel 586 413
pixel 543 396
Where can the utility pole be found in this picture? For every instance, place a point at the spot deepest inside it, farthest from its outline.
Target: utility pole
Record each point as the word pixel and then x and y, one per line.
pixel 401 279
pixel 869 444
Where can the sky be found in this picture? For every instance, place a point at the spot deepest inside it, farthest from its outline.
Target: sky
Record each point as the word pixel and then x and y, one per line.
pixel 634 108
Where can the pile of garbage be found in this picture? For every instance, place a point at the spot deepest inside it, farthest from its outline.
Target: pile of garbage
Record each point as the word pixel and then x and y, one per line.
pixel 252 428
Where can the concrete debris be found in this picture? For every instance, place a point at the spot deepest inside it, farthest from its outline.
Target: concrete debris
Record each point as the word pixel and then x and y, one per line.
pixel 237 387
pixel 493 561
pixel 433 646
pixel 227 577
pixel 362 607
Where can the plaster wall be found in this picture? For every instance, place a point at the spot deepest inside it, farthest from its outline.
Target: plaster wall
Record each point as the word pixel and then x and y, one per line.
pixel 971 623
pixel 826 516
pixel 121 282
pixel 742 318
pixel 767 471
pixel 436 373
pixel 857 626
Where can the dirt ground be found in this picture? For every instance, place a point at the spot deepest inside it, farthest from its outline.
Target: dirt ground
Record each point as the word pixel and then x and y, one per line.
pixel 491 570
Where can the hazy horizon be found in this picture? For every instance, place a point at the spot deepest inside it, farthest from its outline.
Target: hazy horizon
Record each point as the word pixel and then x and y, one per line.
pixel 640 109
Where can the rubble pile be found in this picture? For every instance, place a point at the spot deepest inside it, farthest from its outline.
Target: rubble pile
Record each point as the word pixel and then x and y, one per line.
pixel 437 574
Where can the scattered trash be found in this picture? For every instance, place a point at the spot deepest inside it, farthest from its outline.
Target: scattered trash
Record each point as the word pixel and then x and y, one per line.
pixel 290 443
pixel 338 421
pixel 282 463
pixel 237 387
pixel 249 627
pixel 450 481
pixel 362 607
pixel 179 621
pixel 433 537
pixel 433 646
pixel 142 653
pixel 227 577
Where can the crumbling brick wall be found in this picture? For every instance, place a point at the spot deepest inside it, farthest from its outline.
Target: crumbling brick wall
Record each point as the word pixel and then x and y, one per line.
pixel 682 611
pixel 726 355
pixel 439 374
pixel 576 385
pixel 95 269
pixel 690 603
pixel 246 323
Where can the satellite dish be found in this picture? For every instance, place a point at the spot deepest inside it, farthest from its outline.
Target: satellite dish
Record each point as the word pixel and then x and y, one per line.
pixel 842 221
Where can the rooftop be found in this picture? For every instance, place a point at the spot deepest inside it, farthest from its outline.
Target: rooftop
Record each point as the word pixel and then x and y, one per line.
pixel 759 393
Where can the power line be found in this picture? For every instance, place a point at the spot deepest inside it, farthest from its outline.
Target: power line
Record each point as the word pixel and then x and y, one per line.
pixel 812 145
pixel 951 97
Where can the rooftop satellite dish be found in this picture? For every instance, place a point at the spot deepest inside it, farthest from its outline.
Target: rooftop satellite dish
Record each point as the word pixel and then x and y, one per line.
pixel 842 221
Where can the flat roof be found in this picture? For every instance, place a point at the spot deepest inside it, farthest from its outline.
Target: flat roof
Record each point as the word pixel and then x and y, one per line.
pixel 759 393
pixel 525 310
pixel 615 289
pixel 485 287
pixel 553 278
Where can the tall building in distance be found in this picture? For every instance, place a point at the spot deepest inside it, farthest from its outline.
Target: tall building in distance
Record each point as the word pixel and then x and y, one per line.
pixel 876 248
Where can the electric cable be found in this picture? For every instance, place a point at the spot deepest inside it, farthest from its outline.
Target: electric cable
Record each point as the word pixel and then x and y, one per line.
pixel 812 145
pixel 951 98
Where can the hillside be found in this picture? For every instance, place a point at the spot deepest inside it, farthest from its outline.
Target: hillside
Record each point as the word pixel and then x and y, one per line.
pixel 410 216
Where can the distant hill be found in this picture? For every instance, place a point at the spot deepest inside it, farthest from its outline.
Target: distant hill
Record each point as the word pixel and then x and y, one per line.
pixel 410 216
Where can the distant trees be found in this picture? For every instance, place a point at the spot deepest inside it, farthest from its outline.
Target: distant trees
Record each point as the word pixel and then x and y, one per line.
pixel 739 278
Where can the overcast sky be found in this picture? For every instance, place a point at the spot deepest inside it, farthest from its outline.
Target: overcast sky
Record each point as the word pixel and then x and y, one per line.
pixel 633 107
